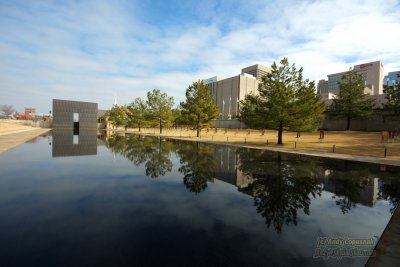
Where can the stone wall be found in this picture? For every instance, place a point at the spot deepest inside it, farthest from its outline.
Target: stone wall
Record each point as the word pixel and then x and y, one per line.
pixel 232 124
pixel 376 123
pixel 63 111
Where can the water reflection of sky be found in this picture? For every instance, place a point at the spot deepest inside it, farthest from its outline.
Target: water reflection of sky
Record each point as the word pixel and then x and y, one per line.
pixel 102 209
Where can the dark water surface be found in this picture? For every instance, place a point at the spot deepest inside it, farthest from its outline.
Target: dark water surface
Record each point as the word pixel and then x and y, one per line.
pixel 140 201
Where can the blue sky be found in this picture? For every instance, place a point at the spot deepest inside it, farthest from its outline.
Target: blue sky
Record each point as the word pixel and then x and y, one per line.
pixel 93 50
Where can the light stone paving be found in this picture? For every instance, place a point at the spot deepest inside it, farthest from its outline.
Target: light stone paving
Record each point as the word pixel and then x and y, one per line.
pixel 388 247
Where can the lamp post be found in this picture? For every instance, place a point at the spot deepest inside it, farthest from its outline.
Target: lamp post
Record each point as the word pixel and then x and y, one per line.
pixel 237 106
pixel 230 104
pixel 223 108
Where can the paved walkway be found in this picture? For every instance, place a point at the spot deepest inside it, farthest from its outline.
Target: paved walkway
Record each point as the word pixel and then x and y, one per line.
pixel 388 248
pixel 12 139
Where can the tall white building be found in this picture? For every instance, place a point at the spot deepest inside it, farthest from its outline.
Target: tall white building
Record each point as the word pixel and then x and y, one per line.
pixel 227 93
pixel 392 78
pixel 258 71
pixel 372 74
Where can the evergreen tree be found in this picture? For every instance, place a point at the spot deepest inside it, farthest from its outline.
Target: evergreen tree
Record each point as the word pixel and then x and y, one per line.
pixel 285 101
pixel 250 112
pixel 393 99
pixel 118 116
pixel 178 118
pixel 138 113
pixel 160 107
pixel 199 108
pixel 351 102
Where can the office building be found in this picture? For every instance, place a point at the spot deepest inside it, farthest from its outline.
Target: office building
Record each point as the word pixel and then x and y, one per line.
pixel 212 83
pixel 227 93
pixel 372 74
pixel 257 71
pixel 393 78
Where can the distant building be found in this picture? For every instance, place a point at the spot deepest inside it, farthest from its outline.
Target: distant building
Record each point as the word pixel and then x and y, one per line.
pixel 227 93
pixel 372 74
pixel 258 71
pixel 102 119
pixel 323 89
pixel 393 78
pixel 29 113
pixel 212 83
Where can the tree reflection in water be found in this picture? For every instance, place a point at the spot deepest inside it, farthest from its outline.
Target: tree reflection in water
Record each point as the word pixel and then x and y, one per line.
pixel 197 164
pixel 197 160
pixel 116 143
pixel 282 184
pixel 159 162
pixel 391 190
pixel 347 183
pixel 355 182
pixel 153 152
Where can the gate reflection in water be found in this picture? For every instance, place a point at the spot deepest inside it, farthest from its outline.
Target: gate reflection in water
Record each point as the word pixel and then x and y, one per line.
pixel 67 143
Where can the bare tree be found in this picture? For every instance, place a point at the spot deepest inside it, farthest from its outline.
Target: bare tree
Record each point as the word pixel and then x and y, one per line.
pixel 7 110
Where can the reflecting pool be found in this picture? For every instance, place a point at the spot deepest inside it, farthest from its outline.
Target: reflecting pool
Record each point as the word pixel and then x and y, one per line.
pixel 110 200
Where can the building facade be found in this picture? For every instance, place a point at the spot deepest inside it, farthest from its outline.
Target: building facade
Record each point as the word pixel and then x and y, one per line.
pixel 372 74
pixel 29 113
pixel 71 114
pixel 257 71
pixel 227 93
pixel 393 78
pixel 212 83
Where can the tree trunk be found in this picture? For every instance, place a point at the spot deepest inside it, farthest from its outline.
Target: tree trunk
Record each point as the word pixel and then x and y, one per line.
pixel 198 125
pixel 160 126
pixel 348 123
pixel 139 127
pixel 279 162
pixel 280 130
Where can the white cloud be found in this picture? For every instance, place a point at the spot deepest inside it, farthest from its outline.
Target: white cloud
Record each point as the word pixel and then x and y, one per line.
pixel 90 51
